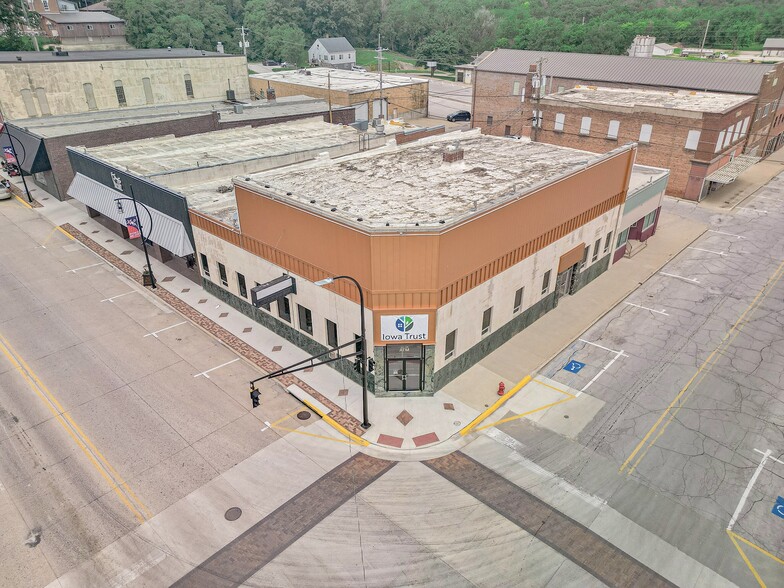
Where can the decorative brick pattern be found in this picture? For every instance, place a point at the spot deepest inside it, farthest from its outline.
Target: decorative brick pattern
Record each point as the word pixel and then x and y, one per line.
pixel 236 344
pixel 167 279
pixel 264 541
pixel 449 406
pixel 425 439
pixel 343 392
pixel 405 417
pixel 184 290
pixel 390 440
pixel 277 347
pixel 247 329
pixel 573 540
pixel 223 314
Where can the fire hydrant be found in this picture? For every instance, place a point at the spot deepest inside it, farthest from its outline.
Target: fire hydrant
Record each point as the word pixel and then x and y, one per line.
pixel 501 388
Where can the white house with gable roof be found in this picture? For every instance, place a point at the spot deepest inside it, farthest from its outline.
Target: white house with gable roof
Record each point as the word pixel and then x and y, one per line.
pixel 333 52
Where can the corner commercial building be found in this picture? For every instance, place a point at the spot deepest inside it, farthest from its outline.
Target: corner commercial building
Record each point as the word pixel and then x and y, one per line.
pixel 481 239
pixel 504 104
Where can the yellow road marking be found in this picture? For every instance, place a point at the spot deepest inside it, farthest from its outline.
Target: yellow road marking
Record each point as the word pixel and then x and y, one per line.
pixel 496 405
pixel 22 201
pixel 312 435
pixel 66 233
pixel 757 547
pixel 335 425
pixel 524 414
pixel 554 388
pixel 49 236
pixel 732 331
pixel 745 559
pixel 281 419
pixel 83 442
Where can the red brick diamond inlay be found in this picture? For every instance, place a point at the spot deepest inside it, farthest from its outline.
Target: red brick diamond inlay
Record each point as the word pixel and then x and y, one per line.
pixel 185 290
pixel 449 406
pixel 343 392
pixel 390 440
pixel 247 329
pixel 405 417
pixel 425 439
pixel 223 314
pixel 277 348
pixel 202 301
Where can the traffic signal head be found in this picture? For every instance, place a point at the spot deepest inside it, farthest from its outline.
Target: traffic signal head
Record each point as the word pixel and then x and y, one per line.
pixel 358 365
pixel 371 365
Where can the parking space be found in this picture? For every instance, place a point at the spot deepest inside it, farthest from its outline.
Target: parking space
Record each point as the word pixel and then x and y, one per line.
pixel 580 365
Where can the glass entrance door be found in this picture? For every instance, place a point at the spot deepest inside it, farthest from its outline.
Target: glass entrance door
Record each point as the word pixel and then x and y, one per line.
pixel 404 374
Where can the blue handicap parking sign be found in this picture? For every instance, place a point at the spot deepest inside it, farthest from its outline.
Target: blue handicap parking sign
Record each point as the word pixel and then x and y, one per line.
pixel 574 366
pixel 778 508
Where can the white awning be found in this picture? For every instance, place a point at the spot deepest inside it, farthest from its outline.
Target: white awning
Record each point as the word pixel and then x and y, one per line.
pixel 727 174
pixel 167 232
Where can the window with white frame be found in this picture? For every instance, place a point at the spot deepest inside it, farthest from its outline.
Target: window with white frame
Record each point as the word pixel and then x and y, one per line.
pixel 449 348
pixel 649 220
pixel 692 140
pixel 518 301
pixel 766 111
pixel 537 119
pixel 69 27
pixel 585 125
pixel 46 5
pixel 728 136
pixel 607 242
pixel 559 122
pixel 546 282
pixel 89 27
pixel 719 142
pixel 645 133
pixel 623 237
pixel 486 319
pixel 224 279
pixel 596 246
pixel 112 26
pixel 736 134
pixel 612 129
pixel 745 126
pixel 515 88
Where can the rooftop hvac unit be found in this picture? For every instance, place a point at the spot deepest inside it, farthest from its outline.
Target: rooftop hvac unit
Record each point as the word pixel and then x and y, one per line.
pixel 230 95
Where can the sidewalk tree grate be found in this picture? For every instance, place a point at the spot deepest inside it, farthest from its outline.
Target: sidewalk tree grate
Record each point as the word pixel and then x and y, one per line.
pixel 233 513
pixel 303 415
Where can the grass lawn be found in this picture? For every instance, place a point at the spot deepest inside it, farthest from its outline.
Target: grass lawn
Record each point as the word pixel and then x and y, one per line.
pixel 367 57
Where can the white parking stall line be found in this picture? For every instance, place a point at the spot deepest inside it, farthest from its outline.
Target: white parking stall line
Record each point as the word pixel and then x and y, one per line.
pixel 604 369
pixel 603 347
pixel 769 457
pixel 752 209
pixel 118 296
pixel 646 308
pixel 728 234
pixel 83 267
pixel 267 427
pixel 215 368
pixel 747 491
pixel 768 198
pixel 694 281
pixel 155 333
pixel 708 251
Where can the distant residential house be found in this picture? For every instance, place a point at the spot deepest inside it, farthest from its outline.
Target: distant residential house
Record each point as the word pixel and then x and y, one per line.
pixel 44 7
pixel 662 50
pixel 97 7
pixel 334 52
pixel 85 30
pixel 464 73
pixel 773 48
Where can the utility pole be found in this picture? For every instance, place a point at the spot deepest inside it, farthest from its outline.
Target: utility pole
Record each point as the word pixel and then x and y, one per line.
pixel 705 36
pixel 244 43
pixel 380 58
pixel 537 97
pixel 27 22
pixel 329 95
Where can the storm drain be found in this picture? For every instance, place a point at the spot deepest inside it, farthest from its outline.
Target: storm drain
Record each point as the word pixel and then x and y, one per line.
pixel 303 415
pixel 233 513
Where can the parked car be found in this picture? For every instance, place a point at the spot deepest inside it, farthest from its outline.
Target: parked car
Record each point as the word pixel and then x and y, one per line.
pixel 358 68
pixel 271 63
pixel 459 115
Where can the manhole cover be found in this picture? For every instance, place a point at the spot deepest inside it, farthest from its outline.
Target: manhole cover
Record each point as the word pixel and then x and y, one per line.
pixel 303 415
pixel 457 423
pixel 233 513
pixel 566 416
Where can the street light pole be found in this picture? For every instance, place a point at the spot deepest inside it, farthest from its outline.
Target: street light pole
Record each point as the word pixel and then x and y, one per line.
pixel 363 337
pixel 141 230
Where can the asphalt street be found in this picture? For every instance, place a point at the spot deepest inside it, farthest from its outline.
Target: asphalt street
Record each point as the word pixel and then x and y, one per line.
pixel 447 97
pixel 689 371
pixel 104 420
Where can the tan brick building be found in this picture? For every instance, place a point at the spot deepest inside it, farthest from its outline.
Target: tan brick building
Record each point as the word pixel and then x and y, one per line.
pixel 503 94
pixel 693 134
pixel 400 97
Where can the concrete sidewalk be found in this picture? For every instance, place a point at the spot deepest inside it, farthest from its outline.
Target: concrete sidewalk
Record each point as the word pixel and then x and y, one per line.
pixel 404 428
pixel 731 195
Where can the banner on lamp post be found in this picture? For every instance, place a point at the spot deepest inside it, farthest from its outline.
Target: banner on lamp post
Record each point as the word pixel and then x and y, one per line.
pixel 132 223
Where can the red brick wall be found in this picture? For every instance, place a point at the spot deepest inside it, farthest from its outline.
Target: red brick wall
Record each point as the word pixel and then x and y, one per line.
pixel 763 128
pixel 402 139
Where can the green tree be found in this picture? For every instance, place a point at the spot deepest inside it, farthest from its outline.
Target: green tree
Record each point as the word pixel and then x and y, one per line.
pixel 286 43
pixel 443 48
pixel 11 22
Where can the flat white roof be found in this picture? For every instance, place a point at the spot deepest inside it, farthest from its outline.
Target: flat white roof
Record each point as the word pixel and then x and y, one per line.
pixel 412 186
pixel 340 80
pixel 167 155
pixel 632 98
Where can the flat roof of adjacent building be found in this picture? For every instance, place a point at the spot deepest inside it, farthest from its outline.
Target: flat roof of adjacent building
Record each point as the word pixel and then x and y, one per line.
pixel 109 55
pixel 340 80
pixel 81 17
pixel 160 156
pixel 631 98
pixel 411 186
pixel 98 120
pixel 707 76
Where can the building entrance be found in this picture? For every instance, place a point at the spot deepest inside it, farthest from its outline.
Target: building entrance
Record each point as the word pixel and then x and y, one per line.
pixel 404 367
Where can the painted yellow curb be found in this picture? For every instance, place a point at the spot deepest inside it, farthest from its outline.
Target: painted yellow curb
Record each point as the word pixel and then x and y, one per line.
pixel 496 405
pixel 335 425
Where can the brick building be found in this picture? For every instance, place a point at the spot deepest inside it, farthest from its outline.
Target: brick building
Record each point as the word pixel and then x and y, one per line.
pixel 85 31
pixel 41 142
pixel 400 97
pixel 693 134
pixel 504 101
